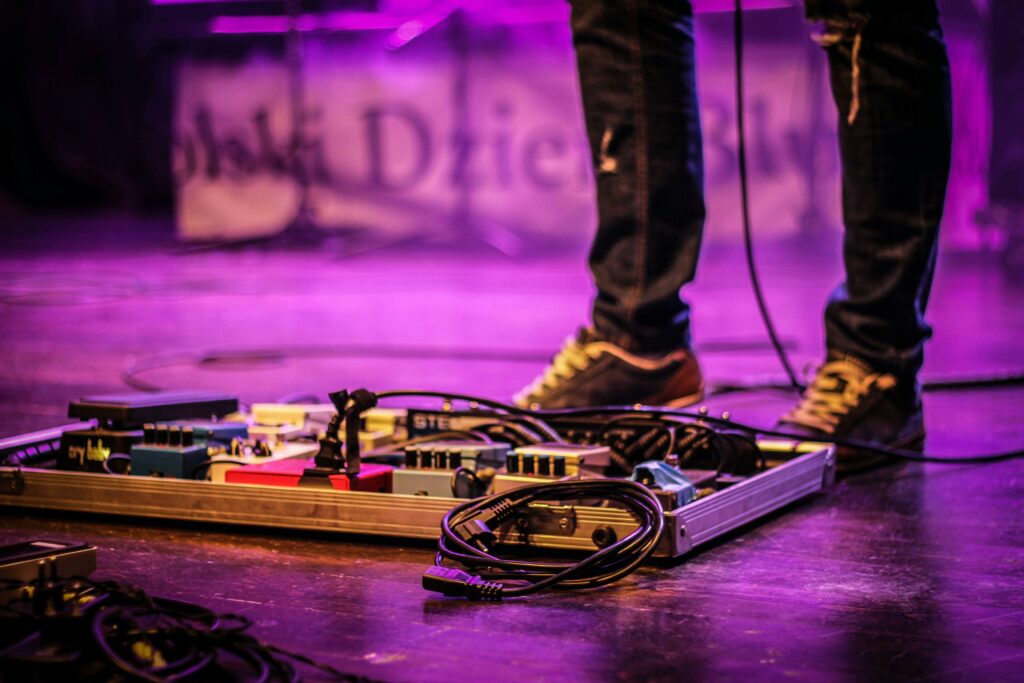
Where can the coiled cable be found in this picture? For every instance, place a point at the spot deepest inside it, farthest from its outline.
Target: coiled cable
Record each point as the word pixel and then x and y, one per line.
pixel 469 534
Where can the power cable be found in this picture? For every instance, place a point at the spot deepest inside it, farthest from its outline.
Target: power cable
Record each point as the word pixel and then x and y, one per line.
pixel 469 532
pixel 959 384
pixel 103 630
pixel 748 242
pixel 867 446
pixel 546 417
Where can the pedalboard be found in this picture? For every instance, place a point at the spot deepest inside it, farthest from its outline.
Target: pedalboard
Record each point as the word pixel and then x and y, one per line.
pixel 397 471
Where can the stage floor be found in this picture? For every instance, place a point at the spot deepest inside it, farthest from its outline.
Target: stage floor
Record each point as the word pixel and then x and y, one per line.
pixel 905 573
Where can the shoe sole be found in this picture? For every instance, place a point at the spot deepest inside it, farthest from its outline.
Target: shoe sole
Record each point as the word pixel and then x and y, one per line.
pixel 684 401
pixel 852 460
pixel 681 402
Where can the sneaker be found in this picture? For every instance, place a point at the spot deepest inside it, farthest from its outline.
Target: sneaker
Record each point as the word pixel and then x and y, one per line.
pixel 848 400
pixel 591 372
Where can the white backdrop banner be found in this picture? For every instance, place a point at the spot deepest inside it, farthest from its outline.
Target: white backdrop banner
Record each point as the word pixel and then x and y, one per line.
pixel 490 145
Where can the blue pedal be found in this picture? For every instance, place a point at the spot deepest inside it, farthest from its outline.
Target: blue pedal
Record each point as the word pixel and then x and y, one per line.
pixel 167 461
pixel 216 432
pixel 168 451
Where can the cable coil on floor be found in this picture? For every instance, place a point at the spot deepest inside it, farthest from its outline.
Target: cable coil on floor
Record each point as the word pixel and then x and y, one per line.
pixel 469 532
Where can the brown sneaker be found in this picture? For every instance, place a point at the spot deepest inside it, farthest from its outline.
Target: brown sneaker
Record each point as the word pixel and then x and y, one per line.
pixel 592 372
pixel 848 400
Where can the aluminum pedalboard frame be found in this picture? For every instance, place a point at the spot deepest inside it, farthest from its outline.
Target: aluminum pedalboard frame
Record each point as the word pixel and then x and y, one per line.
pixel 405 516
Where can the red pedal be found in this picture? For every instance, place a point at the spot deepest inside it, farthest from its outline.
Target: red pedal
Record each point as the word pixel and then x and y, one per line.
pixel 373 478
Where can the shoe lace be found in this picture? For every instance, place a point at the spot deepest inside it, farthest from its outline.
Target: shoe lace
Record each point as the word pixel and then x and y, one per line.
pixel 571 359
pixel 837 389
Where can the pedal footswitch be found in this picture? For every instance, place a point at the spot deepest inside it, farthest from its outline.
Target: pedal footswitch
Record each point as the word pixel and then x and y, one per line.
pixel 167 451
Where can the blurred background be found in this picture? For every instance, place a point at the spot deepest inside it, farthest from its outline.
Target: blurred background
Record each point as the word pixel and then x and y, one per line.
pixel 449 121
pixel 276 199
pixel 279 198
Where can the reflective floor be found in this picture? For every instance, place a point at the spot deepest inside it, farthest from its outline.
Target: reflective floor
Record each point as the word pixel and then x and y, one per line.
pixel 906 573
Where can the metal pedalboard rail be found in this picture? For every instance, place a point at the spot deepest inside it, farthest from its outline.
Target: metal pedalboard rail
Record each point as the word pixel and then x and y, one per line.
pixel 567 527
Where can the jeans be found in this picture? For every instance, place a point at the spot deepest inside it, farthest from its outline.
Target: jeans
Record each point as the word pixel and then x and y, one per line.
pixel 890 82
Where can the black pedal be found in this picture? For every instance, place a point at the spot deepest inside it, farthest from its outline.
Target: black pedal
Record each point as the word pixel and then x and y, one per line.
pixel 120 418
pixel 129 411
pixel 19 562
pixel 85 450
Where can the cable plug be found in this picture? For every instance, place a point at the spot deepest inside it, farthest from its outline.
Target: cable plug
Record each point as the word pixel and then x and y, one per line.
pixel 479 531
pixel 476 532
pixel 455 583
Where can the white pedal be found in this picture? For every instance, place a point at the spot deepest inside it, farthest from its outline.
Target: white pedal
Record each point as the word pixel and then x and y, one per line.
pixel 280 451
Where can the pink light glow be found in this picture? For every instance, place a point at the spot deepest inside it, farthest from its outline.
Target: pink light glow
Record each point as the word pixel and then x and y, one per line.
pixel 410 27
pixel 188 2
pixel 329 21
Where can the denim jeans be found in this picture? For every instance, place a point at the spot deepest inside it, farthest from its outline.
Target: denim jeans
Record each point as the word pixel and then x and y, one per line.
pixel 890 82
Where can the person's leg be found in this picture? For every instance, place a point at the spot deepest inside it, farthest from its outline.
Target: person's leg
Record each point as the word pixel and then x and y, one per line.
pixel 637 78
pixel 895 135
pixel 890 81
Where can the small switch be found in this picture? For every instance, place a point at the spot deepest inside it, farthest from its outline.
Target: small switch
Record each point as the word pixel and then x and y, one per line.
pixel 412 458
pixel 544 465
pixel 558 466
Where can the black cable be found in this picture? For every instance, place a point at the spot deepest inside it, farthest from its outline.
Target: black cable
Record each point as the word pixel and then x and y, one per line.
pixel 546 416
pixel 150 638
pixel 521 414
pixel 466 473
pixel 937 385
pixel 397 446
pixel 622 460
pixel 972 383
pixel 469 533
pixel 512 432
pixel 748 242
pixel 751 429
pixel 207 464
pixel 115 457
pixel 698 438
pixel 649 411
pixel 533 424
pixel 959 384
pixel 449 396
